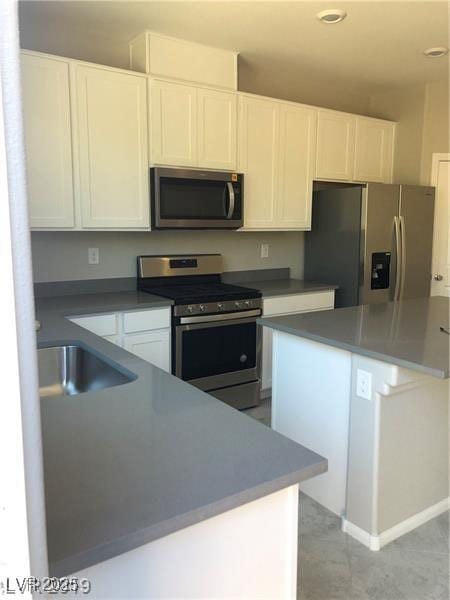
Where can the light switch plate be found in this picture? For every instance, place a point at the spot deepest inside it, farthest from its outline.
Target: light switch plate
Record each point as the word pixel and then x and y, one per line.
pixel 93 256
pixel 364 384
pixel 264 250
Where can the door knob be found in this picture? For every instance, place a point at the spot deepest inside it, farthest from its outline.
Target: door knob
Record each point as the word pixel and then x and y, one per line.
pixel 438 277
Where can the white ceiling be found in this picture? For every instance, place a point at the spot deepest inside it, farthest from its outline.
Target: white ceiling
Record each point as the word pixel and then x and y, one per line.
pixel 378 46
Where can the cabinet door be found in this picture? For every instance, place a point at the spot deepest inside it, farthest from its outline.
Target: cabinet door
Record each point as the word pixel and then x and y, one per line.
pixel 298 131
pixel 373 150
pixel 48 141
pixel 112 148
pixel 258 160
pixel 173 128
pixel 152 346
pixel 217 129
pixel 335 145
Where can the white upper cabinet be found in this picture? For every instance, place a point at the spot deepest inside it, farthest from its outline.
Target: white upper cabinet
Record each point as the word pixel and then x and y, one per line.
pixel 192 126
pixel 48 141
pixel 173 123
pixel 217 129
pixel 276 154
pixel 167 57
pixel 298 130
pixel 258 160
pixel 335 145
pixel 373 150
pixel 111 123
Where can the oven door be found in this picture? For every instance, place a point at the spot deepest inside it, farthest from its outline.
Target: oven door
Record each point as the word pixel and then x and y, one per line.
pixel 217 354
pixel 189 199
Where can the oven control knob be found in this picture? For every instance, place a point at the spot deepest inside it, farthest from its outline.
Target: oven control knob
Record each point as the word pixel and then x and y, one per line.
pixel 247 304
pixel 190 309
pixel 237 304
pixel 220 306
pixel 202 308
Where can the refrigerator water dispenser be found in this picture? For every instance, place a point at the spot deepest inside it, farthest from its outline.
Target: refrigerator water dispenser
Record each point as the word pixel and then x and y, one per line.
pixel 381 263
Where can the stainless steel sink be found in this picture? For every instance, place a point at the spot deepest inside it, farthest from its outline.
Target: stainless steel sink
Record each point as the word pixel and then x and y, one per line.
pixel 72 370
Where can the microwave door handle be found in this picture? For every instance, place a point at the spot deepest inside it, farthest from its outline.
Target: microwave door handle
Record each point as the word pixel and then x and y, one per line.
pixel 232 200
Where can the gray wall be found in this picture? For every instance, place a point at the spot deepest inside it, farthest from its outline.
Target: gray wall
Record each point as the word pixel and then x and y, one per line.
pixel 59 256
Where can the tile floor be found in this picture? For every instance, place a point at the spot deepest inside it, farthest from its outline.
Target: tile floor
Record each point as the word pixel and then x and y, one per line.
pixel 333 566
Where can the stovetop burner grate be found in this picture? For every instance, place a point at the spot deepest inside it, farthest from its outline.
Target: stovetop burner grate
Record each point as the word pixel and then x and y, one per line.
pixel 207 292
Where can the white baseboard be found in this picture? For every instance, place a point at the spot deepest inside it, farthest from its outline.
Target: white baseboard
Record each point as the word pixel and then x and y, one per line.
pixel 370 541
pixel 376 542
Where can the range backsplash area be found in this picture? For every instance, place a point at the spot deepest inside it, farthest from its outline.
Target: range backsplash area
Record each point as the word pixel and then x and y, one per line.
pixel 63 256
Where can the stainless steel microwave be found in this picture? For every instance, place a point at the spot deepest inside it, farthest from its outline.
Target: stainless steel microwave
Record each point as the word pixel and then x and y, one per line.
pixel 194 199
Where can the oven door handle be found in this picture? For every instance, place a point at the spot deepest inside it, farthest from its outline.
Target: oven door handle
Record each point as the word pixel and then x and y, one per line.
pixel 228 317
pixel 232 200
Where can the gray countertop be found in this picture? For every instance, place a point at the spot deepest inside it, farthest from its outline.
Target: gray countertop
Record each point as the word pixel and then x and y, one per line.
pixel 271 288
pixel 402 333
pixel 102 302
pixel 130 464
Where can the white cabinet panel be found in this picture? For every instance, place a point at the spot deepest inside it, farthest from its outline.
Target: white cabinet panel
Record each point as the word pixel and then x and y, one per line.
pixel 284 305
pixel 112 148
pixel 48 141
pixel 143 320
pixel 173 124
pixel 335 145
pixel 104 325
pixel 217 129
pixel 373 150
pixel 113 339
pixel 152 346
pixel 258 160
pixel 266 362
pixel 293 303
pixel 298 131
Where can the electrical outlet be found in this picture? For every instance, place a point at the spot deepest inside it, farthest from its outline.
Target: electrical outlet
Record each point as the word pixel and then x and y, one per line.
pixel 364 384
pixel 93 256
pixel 264 250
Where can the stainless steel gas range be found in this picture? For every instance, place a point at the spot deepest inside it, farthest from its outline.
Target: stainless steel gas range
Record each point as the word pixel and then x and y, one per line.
pixel 216 343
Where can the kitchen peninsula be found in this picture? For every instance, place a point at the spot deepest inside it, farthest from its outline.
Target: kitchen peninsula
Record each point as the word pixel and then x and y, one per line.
pixel 156 489
pixel 367 387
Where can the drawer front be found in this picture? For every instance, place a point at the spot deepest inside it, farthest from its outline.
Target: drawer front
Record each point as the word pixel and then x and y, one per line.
pixel 99 324
pixel 295 303
pixel 145 320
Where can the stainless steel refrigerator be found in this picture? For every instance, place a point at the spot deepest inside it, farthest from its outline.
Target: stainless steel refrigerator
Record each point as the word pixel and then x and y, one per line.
pixel 374 241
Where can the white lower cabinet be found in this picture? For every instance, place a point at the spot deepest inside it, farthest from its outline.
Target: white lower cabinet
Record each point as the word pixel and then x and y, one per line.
pixel 111 338
pixel 145 333
pixel 152 346
pixel 285 305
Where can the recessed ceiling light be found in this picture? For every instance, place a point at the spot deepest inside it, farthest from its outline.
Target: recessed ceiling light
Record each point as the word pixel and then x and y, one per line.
pixel 436 52
pixel 331 16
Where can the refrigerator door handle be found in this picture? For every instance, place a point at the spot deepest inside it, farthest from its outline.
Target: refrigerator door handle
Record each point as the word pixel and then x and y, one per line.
pixel 403 269
pixel 398 255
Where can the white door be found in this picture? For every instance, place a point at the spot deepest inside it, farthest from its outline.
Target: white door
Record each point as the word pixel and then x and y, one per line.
pixel 373 150
pixel 112 148
pixel 440 285
pixel 298 130
pixel 48 141
pixel 173 124
pixel 217 129
pixel 152 346
pixel 335 145
pixel 258 160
